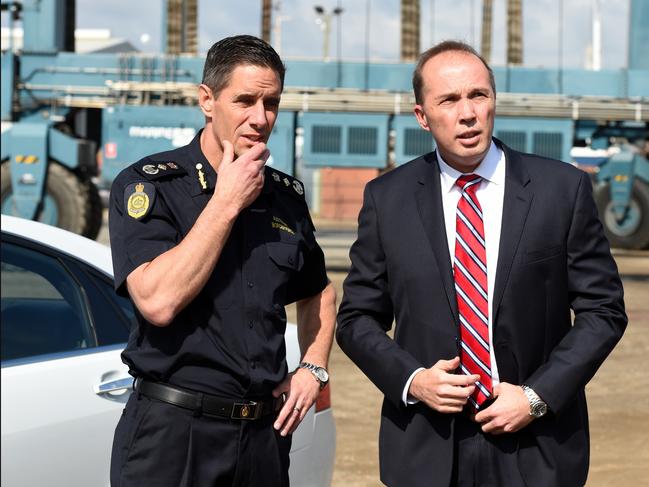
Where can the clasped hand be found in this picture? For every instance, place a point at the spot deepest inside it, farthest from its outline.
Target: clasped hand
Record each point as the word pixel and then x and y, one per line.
pixel 441 389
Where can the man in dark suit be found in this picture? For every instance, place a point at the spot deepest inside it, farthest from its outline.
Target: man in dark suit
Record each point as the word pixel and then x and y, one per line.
pixel 478 253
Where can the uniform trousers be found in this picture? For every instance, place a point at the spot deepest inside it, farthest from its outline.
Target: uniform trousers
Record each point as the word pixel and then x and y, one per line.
pixel 482 459
pixel 159 444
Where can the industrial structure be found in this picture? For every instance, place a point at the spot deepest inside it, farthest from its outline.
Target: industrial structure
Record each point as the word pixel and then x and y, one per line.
pixel 409 30
pixel 72 119
pixel 181 27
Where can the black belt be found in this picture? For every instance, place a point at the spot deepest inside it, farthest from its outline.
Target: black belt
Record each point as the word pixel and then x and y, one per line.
pixel 202 403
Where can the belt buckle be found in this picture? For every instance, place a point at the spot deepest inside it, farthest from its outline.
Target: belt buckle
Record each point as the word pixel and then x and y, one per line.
pixel 248 411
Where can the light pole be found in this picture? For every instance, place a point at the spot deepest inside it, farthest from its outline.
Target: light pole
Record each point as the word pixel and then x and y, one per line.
pixel 324 21
pixel 278 18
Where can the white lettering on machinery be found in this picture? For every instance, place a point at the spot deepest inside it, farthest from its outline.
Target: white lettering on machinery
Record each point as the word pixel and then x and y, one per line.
pixel 178 136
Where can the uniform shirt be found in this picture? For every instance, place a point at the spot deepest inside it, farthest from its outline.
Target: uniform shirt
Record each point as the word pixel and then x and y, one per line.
pixel 229 341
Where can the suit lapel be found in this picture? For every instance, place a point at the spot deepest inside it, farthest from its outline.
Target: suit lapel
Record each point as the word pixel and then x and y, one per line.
pixel 517 200
pixel 431 212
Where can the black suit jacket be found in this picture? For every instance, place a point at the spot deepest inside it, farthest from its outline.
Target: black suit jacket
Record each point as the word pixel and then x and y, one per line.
pixel 553 257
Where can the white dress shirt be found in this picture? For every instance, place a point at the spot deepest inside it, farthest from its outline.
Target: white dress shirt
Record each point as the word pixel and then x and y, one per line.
pixel 490 194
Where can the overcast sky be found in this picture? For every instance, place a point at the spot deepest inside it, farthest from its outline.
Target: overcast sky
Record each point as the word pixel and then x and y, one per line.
pixel 440 19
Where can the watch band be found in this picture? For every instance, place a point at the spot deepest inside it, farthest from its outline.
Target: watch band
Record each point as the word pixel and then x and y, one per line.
pixel 538 407
pixel 320 373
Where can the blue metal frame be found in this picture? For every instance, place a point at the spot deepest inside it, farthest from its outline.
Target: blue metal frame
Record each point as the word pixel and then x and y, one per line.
pixel 401 124
pixel 343 157
pixel 28 147
pixel 639 35
pixel 531 126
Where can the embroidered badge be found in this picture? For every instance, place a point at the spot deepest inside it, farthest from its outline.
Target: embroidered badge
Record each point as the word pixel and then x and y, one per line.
pixel 150 169
pixel 281 225
pixel 138 202
pixel 290 184
pixel 201 176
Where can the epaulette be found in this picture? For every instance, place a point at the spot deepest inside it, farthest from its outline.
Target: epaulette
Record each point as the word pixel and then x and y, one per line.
pixel 286 183
pixel 153 170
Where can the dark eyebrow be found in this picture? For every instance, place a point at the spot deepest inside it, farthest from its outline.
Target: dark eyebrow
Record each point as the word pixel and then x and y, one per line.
pixel 479 91
pixel 244 97
pixel 251 97
pixel 448 96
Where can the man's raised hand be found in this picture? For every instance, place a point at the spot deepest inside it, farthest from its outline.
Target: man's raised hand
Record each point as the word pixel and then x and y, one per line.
pixel 241 180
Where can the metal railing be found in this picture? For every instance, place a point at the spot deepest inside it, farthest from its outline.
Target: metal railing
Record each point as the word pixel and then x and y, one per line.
pixel 598 108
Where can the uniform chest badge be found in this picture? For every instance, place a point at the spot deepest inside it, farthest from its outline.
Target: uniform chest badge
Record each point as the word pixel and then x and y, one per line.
pixel 280 224
pixel 139 199
pixel 276 177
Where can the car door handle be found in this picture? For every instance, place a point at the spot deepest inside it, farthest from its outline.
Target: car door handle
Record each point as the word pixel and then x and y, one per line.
pixel 113 385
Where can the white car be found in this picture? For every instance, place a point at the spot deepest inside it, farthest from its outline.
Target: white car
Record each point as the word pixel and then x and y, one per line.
pixel 63 383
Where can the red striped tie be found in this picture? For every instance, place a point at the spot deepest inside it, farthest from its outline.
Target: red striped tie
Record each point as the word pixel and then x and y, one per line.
pixel 470 272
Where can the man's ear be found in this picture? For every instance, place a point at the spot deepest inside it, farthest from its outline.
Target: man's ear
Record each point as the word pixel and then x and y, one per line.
pixel 206 100
pixel 421 118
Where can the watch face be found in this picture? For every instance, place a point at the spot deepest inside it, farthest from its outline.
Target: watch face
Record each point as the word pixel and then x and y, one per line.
pixel 322 374
pixel 539 410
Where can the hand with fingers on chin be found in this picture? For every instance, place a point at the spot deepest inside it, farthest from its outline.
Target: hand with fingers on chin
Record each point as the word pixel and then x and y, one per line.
pixel 301 390
pixel 509 413
pixel 241 180
pixel 441 388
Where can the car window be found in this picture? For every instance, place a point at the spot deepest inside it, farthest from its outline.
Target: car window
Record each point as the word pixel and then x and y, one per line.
pixel 112 314
pixel 42 306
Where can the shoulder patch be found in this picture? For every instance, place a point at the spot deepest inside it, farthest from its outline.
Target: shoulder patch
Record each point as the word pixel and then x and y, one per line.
pixel 287 183
pixel 153 170
pixel 139 199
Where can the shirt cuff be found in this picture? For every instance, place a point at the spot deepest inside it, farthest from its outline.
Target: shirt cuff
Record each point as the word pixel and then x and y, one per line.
pixel 405 397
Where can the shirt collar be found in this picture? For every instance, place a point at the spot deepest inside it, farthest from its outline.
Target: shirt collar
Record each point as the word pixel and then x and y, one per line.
pixel 491 169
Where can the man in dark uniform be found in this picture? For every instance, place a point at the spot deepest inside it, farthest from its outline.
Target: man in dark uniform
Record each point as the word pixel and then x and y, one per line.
pixel 211 245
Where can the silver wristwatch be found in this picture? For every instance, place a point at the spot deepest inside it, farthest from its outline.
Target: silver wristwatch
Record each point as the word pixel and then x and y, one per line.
pixel 538 407
pixel 320 373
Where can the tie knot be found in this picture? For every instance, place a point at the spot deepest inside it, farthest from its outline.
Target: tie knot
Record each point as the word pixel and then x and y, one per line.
pixel 468 181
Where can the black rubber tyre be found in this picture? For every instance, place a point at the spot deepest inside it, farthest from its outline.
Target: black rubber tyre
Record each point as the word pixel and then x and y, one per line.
pixel 94 209
pixel 624 235
pixel 76 201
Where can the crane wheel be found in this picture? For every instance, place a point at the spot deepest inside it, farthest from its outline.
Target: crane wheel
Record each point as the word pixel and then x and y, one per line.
pixel 70 202
pixel 633 231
